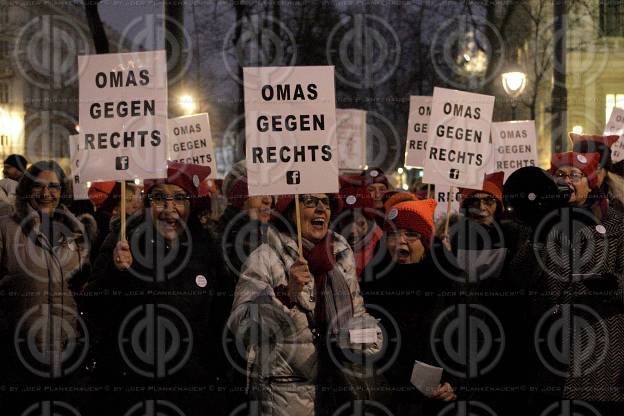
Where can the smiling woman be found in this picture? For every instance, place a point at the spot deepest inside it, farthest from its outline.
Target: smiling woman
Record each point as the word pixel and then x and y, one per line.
pixel 317 293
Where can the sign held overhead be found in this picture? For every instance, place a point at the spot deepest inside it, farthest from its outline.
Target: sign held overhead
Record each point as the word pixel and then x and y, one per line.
pixel 417 131
pixel 290 127
pixel 190 141
pixel 123 115
pixel 458 146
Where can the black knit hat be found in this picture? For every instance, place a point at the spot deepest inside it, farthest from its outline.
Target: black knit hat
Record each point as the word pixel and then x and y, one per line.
pixel 19 162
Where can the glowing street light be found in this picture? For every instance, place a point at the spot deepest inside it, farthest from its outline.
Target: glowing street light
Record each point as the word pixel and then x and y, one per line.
pixel 514 83
pixel 188 104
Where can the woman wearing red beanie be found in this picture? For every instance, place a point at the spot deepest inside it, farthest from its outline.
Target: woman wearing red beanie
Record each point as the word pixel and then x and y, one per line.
pixel 167 271
pixel 405 297
pixel 575 265
pixel 312 305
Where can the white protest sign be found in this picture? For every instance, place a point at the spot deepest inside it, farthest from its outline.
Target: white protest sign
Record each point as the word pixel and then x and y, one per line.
pixel 458 145
pixel 515 145
pixel 351 136
pixel 123 115
pixel 417 131
pixel 190 141
pixel 77 159
pixel 616 126
pixel 442 197
pixel 290 128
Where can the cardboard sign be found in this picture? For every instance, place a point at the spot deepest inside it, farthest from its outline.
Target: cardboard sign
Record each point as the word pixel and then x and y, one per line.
pixel 123 115
pixel 417 131
pixel 351 132
pixel 616 126
pixel 77 159
pixel 190 141
pixel 442 197
pixel 290 127
pixel 515 146
pixel 458 145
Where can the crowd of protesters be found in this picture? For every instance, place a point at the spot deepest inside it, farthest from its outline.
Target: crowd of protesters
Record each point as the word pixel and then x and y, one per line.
pixel 245 316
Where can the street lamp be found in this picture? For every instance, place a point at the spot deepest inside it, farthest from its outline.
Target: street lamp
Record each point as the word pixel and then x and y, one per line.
pixel 187 103
pixel 514 83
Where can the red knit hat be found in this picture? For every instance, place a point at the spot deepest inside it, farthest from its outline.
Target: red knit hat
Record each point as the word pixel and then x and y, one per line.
pixel 374 175
pixel 192 178
pixel 492 184
pixel 587 163
pixel 396 197
pixel 413 215
pixel 99 191
pixel 354 197
pixel 590 143
pixel 239 193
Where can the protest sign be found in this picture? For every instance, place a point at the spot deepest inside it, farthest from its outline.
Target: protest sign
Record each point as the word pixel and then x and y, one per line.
pixel 123 115
pixel 417 131
pixel 515 146
pixel 290 128
pixel 458 144
pixel 351 136
pixel 77 159
pixel 442 197
pixel 616 126
pixel 190 141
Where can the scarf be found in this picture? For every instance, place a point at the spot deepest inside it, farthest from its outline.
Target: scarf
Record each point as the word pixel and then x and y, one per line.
pixel 333 305
pixel 364 250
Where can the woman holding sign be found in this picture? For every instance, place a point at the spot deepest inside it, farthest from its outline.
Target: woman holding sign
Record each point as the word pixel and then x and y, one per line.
pixel 302 318
pixel 164 281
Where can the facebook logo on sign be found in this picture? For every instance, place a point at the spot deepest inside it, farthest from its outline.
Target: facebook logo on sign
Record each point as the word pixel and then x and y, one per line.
pixel 454 174
pixel 293 177
pixel 122 163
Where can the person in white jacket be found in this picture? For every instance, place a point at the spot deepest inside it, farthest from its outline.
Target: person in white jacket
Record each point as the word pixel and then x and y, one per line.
pixel 302 319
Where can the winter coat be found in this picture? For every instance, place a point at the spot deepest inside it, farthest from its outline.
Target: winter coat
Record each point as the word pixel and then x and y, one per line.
pixel 284 360
pixel 183 287
pixel 408 300
pixel 591 295
pixel 37 303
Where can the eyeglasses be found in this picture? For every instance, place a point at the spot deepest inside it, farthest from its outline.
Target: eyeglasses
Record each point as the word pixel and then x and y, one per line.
pixel 160 199
pixel 574 175
pixel 476 202
pixel 310 201
pixel 52 186
pixel 409 235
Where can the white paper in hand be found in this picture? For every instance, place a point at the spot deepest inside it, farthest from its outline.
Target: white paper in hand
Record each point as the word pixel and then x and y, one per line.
pixel 426 378
pixel 363 336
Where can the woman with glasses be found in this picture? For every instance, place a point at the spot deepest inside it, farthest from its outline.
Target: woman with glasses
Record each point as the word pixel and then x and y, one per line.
pixel 43 251
pixel 162 289
pixel 406 297
pixel 302 318
pixel 574 265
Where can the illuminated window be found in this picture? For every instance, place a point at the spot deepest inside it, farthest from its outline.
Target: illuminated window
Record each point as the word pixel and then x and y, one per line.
pixel 613 100
pixel 4 93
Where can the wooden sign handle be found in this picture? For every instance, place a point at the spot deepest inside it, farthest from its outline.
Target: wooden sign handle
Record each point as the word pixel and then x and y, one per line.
pixel 297 212
pixel 123 211
pixel 448 212
pixel 428 191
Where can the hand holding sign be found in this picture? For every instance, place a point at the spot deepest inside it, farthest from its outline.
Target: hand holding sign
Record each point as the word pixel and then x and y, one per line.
pixel 122 257
pixel 298 277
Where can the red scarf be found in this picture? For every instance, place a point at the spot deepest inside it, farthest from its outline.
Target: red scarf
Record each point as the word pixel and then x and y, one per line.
pixel 364 250
pixel 320 260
